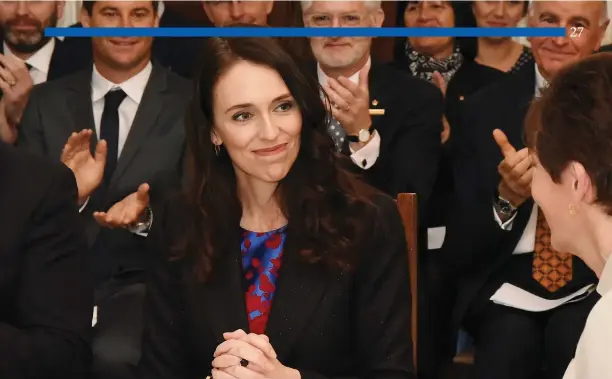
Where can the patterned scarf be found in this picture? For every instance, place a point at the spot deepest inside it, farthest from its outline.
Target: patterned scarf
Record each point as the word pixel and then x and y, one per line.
pixel 424 66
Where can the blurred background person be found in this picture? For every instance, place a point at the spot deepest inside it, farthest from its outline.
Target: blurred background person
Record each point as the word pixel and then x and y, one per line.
pixel 498 235
pixel 116 124
pixel 253 200
pixel 436 60
pixel 28 57
pixel 46 291
pixel 570 133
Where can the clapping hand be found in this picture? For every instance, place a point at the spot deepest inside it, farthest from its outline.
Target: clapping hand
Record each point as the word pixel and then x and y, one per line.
pixel 16 84
pixel 248 356
pixel 439 81
pixel 516 170
pixel 127 211
pixel 350 101
pixel 88 169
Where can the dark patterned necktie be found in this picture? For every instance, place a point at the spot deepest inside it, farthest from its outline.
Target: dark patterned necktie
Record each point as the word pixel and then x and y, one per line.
pixel 337 133
pixel 551 268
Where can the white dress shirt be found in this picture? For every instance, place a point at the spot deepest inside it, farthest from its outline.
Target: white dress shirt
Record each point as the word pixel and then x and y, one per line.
pixel 39 61
pixel 593 358
pixel 370 152
pixel 133 88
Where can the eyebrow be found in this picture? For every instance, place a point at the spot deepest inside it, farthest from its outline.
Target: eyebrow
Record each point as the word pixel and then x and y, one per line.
pixel 246 105
pixel 572 19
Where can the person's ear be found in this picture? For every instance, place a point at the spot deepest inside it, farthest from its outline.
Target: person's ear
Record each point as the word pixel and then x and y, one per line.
pixel 379 18
pixel 583 190
pixel 215 139
pixel 59 7
pixel 85 18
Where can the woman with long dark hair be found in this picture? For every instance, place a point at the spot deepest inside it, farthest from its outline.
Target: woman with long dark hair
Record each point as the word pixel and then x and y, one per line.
pixel 273 262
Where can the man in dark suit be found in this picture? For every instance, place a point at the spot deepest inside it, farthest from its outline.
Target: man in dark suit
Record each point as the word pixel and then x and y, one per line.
pixel 46 293
pixel 28 57
pixel 386 121
pixel 133 112
pixel 500 232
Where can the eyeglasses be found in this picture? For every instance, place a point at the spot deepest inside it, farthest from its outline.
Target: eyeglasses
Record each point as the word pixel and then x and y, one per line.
pixel 324 20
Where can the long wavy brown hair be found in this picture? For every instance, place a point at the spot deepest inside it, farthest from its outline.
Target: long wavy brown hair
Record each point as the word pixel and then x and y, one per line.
pixel 327 207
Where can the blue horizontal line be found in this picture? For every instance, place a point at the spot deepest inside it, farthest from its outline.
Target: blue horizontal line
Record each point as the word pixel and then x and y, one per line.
pixel 305 32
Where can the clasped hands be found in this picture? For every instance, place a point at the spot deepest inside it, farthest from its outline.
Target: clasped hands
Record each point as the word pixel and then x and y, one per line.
pixel 350 102
pixel 516 170
pixel 248 356
pixel 88 170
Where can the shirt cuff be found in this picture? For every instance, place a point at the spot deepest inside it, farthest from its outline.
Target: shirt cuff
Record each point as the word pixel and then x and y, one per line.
pixel 504 225
pixel 367 155
pixel 84 205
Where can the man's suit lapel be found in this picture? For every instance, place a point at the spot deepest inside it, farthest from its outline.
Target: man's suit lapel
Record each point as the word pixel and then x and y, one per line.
pixel 300 289
pixel 148 111
pixel 78 103
pixel 377 92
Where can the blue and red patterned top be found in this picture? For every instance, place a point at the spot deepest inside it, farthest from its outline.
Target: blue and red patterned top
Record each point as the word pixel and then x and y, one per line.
pixel 261 259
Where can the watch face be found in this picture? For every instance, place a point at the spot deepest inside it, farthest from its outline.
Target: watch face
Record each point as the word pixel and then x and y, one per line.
pixel 364 135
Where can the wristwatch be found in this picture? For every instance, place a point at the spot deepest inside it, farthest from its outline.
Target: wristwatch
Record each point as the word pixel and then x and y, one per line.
pixel 363 136
pixel 144 224
pixel 503 206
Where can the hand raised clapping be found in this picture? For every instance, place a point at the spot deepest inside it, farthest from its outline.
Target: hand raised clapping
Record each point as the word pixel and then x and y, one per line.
pixel 248 356
pixel 16 85
pixel 88 169
pixel 127 211
pixel 350 101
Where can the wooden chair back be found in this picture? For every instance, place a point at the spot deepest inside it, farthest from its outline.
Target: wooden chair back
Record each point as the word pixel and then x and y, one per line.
pixel 407 205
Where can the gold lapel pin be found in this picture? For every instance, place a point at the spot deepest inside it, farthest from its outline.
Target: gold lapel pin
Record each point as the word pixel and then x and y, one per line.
pixel 377 112
pixel 374 102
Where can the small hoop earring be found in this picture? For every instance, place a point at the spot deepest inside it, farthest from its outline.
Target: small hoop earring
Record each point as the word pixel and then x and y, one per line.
pixel 572 209
pixel 217 150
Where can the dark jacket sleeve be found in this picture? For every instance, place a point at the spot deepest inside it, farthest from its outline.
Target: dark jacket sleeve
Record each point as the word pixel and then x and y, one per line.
pixel 383 341
pixel 54 299
pixel 30 131
pixel 473 234
pixel 415 149
pixel 163 352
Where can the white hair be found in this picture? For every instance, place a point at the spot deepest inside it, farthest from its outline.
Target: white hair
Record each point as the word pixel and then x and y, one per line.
pixel 604 14
pixel 370 4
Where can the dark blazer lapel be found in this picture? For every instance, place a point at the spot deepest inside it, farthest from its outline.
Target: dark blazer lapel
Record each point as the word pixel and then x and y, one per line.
pixel 223 303
pixel 301 287
pixel 376 89
pixel 78 102
pixel 148 111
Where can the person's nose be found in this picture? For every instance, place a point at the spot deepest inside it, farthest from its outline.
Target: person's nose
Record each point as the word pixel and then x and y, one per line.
pixel 269 130
pixel 22 8
pixel 236 10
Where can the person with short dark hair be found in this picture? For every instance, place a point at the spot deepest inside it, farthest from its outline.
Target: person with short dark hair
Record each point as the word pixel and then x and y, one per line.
pixel 272 236
pixel 570 136
pixel 46 291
